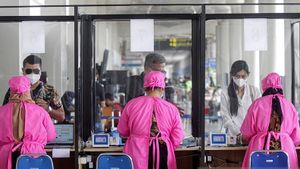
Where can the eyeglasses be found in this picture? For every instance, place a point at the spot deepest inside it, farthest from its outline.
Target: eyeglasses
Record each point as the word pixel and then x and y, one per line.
pixel 35 71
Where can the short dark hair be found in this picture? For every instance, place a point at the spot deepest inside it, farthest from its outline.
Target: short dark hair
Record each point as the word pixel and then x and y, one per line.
pixel 32 59
pixel 154 58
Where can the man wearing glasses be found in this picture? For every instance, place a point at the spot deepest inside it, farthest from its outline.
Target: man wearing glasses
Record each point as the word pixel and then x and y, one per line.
pixel 44 95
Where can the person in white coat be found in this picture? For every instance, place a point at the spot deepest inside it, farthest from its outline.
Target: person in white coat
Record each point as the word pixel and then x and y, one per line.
pixel 237 98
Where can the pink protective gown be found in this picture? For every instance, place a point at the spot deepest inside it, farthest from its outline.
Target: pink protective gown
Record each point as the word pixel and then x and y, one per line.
pixel 135 124
pixel 38 127
pixel 256 124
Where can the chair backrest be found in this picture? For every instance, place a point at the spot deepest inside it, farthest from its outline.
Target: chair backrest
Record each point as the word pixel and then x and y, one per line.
pixel 273 159
pixel 114 160
pixel 33 161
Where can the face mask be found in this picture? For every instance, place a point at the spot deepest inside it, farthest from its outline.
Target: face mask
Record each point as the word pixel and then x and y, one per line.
pixel 240 82
pixel 33 78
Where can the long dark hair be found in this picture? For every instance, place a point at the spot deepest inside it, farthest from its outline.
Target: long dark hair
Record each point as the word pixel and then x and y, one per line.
pixel 275 101
pixel 233 100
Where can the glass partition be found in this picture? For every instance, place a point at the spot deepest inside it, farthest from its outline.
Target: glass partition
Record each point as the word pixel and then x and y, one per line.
pixel 116 63
pixel 52 42
pixel 263 43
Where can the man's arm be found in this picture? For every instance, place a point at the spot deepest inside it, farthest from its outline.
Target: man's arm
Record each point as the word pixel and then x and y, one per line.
pixel 56 108
pixel 52 103
pixel 57 114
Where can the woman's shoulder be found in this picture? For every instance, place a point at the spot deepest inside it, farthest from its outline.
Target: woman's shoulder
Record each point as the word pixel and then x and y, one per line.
pixel 35 108
pixel 137 101
pixel 262 102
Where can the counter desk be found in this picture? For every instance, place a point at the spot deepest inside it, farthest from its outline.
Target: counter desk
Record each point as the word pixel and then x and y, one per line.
pixel 120 149
pixel 187 157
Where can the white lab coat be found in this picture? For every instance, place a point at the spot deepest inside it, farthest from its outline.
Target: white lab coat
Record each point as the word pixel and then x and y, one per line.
pixel 233 123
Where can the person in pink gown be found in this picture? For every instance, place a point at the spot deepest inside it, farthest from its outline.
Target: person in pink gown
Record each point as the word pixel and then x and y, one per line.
pixel 152 125
pixel 25 128
pixel 272 122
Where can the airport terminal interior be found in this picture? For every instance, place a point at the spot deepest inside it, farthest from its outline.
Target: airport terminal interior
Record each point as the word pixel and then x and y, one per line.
pixel 91 48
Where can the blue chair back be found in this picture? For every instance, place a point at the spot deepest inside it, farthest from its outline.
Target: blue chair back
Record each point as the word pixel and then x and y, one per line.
pixel 114 160
pixel 275 159
pixel 30 162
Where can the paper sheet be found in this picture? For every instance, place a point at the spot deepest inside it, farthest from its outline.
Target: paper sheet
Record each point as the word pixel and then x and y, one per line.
pixel 142 35
pixel 255 35
pixel 33 36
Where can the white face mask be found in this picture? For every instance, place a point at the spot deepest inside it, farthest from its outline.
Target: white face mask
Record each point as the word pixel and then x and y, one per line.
pixel 33 78
pixel 240 82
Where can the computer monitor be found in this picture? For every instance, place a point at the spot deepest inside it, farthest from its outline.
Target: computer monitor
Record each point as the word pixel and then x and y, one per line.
pixel 64 135
pixel 218 139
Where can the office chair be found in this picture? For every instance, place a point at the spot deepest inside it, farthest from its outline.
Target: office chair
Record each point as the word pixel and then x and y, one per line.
pixel 34 161
pixel 275 159
pixel 114 160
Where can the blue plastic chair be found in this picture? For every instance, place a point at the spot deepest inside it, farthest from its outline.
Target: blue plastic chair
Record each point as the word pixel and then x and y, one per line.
pixel 275 159
pixel 114 160
pixel 34 161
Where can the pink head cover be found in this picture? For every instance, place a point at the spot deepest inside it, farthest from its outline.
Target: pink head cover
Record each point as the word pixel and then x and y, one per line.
pixel 19 84
pixel 272 80
pixel 154 79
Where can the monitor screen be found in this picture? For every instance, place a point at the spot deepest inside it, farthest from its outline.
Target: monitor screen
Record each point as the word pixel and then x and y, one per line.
pixel 64 134
pixel 218 139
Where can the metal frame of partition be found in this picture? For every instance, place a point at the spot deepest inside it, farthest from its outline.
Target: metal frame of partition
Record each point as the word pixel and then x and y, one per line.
pixel 198 49
pixel 293 62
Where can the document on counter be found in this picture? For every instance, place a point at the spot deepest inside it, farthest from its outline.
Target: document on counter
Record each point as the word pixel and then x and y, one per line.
pixel 61 153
